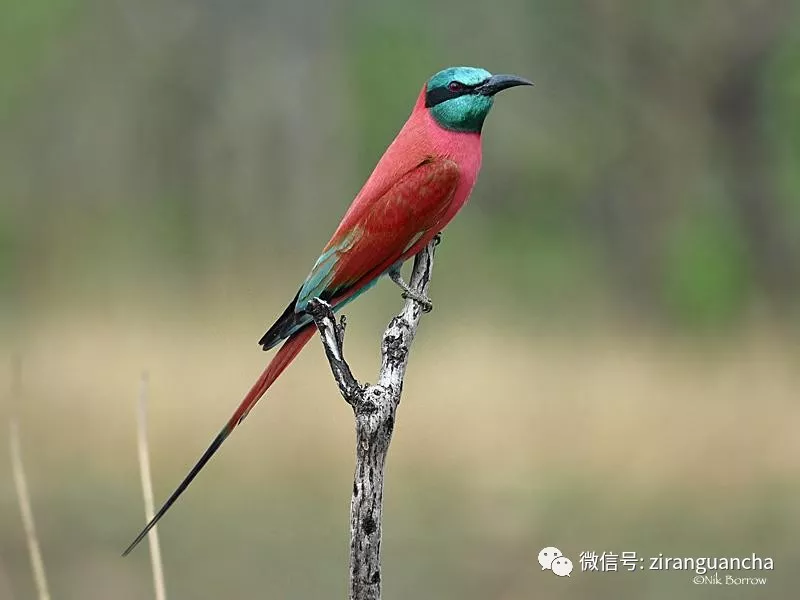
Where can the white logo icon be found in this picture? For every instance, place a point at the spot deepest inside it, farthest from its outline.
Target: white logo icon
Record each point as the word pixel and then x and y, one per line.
pixel 562 566
pixel 548 555
pixel 553 559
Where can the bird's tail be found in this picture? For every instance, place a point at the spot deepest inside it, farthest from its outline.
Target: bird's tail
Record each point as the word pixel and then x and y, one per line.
pixel 287 353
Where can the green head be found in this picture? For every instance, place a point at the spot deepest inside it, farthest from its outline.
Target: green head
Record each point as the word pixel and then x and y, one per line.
pixel 459 98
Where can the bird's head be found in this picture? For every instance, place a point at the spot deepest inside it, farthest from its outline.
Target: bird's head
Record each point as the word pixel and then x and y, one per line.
pixel 459 98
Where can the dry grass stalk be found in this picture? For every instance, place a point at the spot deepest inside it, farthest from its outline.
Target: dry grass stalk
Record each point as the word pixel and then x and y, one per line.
pixel 27 513
pixel 147 490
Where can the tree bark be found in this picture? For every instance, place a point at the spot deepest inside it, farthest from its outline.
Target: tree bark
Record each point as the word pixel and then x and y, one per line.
pixel 374 407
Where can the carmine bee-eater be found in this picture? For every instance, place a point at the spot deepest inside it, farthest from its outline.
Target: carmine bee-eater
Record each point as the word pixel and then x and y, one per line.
pixel 420 183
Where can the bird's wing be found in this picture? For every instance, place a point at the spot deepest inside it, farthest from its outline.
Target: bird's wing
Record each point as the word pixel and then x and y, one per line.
pixel 376 237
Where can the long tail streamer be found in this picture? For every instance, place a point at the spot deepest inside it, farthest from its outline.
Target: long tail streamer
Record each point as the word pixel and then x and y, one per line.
pixel 290 349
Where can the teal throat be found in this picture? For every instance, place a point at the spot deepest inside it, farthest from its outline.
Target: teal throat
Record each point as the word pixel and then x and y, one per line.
pixel 465 113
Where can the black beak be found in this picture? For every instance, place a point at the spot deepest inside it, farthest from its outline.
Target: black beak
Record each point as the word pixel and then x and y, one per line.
pixel 498 83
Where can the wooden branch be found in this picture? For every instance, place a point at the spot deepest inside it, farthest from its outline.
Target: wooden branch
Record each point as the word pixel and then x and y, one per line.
pixel 374 407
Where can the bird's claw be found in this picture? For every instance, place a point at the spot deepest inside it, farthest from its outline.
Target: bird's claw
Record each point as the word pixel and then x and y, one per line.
pixel 425 303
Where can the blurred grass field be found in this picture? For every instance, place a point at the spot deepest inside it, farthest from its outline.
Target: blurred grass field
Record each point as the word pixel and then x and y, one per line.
pixel 615 440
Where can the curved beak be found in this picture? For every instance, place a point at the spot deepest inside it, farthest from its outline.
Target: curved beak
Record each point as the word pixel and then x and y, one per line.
pixel 498 83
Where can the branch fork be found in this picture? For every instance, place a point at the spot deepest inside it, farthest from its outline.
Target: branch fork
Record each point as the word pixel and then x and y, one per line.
pixel 374 407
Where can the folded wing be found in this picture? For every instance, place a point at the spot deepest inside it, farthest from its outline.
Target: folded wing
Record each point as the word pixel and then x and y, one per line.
pixel 372 239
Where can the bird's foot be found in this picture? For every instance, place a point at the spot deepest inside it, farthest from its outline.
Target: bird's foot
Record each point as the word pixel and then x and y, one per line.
pixel 425 303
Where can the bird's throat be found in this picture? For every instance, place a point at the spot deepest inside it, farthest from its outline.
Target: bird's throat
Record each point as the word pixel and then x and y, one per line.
pixel 463 114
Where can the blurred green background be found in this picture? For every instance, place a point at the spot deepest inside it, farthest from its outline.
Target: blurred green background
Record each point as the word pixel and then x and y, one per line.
pixel 612 364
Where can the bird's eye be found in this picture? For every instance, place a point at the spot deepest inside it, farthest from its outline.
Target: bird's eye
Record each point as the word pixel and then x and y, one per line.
pixel 455 86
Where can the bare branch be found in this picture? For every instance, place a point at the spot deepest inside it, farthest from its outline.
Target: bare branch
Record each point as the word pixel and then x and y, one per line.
pixel 398 337
pixel 332 334
pixel 147 490
pixel 374 407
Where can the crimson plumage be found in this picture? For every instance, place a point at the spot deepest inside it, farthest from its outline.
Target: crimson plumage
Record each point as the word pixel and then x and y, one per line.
pixel 422 180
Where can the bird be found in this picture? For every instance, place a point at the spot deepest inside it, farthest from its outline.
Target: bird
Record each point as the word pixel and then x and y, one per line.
pixel 419 184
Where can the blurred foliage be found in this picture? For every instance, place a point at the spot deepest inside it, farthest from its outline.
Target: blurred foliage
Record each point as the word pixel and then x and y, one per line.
pixel 29 31
pixel 652 168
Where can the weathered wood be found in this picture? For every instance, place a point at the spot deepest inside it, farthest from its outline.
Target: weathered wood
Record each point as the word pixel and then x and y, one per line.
pixel 374 407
